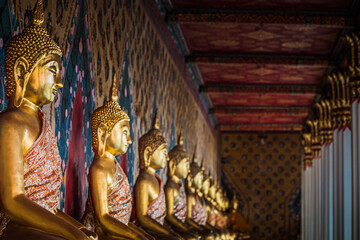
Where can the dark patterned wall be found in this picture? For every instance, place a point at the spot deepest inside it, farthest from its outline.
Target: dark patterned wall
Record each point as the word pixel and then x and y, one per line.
pixel 265 170
pixel 99 39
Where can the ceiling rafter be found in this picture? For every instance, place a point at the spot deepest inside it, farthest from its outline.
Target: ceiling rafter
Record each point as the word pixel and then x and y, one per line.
pixel 253 59
pixel 239 88
pixel 251 127
pixel 303 18
pixel 233 110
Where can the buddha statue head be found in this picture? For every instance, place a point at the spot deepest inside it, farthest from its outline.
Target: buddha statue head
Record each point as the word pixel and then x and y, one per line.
pixel 179 164
pixel 196 174
pixel 32 64
pixel 110 127
pixel 153 148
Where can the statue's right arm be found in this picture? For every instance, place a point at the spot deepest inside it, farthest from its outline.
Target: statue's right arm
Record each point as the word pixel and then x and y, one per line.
pixel 190 202
pixel 14 203
pixel 111 225
pixel 169 193
pixel 142 200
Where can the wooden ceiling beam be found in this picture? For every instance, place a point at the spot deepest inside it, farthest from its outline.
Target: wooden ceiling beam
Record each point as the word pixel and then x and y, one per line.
pixel 239 88
pixel 332 20
pixel 258 60
pixel 233 110
pixel 258 127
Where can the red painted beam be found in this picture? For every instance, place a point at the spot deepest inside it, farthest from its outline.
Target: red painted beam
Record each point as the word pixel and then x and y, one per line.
pixel 266 110
pixel 186 17
pixel 239 88
pixel 260 127
pixel 234 60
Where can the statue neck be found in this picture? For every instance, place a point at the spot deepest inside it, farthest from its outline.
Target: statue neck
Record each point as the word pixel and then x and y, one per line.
pixel 29 107
pixel 175 179
pixel 150 170
pixel 108 156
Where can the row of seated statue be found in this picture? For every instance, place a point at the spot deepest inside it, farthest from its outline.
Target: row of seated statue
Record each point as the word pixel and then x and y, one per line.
pixel 31 175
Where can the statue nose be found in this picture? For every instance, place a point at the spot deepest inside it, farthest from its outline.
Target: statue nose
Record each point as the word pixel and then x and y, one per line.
pixel 59 83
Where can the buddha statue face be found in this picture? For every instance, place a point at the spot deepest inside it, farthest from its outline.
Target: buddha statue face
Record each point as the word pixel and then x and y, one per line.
pixel 118 140
pixel 183 168
pixel 158 158
pixel 212 191
pixel 43 82
pixel 198 180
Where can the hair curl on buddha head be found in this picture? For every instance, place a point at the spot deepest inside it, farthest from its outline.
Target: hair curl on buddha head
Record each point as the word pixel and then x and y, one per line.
pixel 109 114
pixel 153 139
pixel 33 44
pixel 178 152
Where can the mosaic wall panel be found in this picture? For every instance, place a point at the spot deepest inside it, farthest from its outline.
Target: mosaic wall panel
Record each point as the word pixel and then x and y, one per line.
pixel 265 171
pixel 100 39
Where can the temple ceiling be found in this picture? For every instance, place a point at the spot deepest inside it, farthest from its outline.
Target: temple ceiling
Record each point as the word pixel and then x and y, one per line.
pixel 260 65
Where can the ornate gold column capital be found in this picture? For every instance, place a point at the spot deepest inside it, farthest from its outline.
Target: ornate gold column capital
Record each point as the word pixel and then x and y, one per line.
pixel 340 99
pixel 306 143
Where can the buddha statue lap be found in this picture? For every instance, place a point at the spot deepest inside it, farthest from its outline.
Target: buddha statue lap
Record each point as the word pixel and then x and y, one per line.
pixel 178 169
pixel 109 204
pixel 149 194
pixel 30 172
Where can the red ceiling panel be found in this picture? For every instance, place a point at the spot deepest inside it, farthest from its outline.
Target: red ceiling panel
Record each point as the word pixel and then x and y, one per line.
pixel 295 5
pixel 261 73
pixel 242 38
pixel 262 99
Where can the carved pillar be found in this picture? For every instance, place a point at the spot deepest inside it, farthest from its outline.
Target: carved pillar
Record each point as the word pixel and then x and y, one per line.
pixel 352 41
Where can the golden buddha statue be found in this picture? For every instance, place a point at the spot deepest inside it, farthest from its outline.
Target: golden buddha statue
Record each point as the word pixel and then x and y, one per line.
pixel 205 191
pixel 109 204
pixel 211 199
pixel 196 209
pixel 178 168
pixel 30 172
pixel 237 221
pixel 149 194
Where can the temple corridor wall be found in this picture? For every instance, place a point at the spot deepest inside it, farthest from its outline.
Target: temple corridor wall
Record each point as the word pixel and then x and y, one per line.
pixel 100 39
pixel 265 170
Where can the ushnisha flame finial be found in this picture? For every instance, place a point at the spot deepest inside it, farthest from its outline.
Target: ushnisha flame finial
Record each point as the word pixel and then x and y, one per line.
pixel 38 15
pixel 194 159
pixel 202 166
pixel 113 91
pixel 156 122
pixel 181 138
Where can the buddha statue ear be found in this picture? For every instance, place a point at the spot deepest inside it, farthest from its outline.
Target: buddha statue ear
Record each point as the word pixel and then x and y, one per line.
pixel 147 157
pixel 102 137
pixel 21 79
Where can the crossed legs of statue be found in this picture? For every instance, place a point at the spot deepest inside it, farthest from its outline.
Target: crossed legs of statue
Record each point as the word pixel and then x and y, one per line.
pixel 14 231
